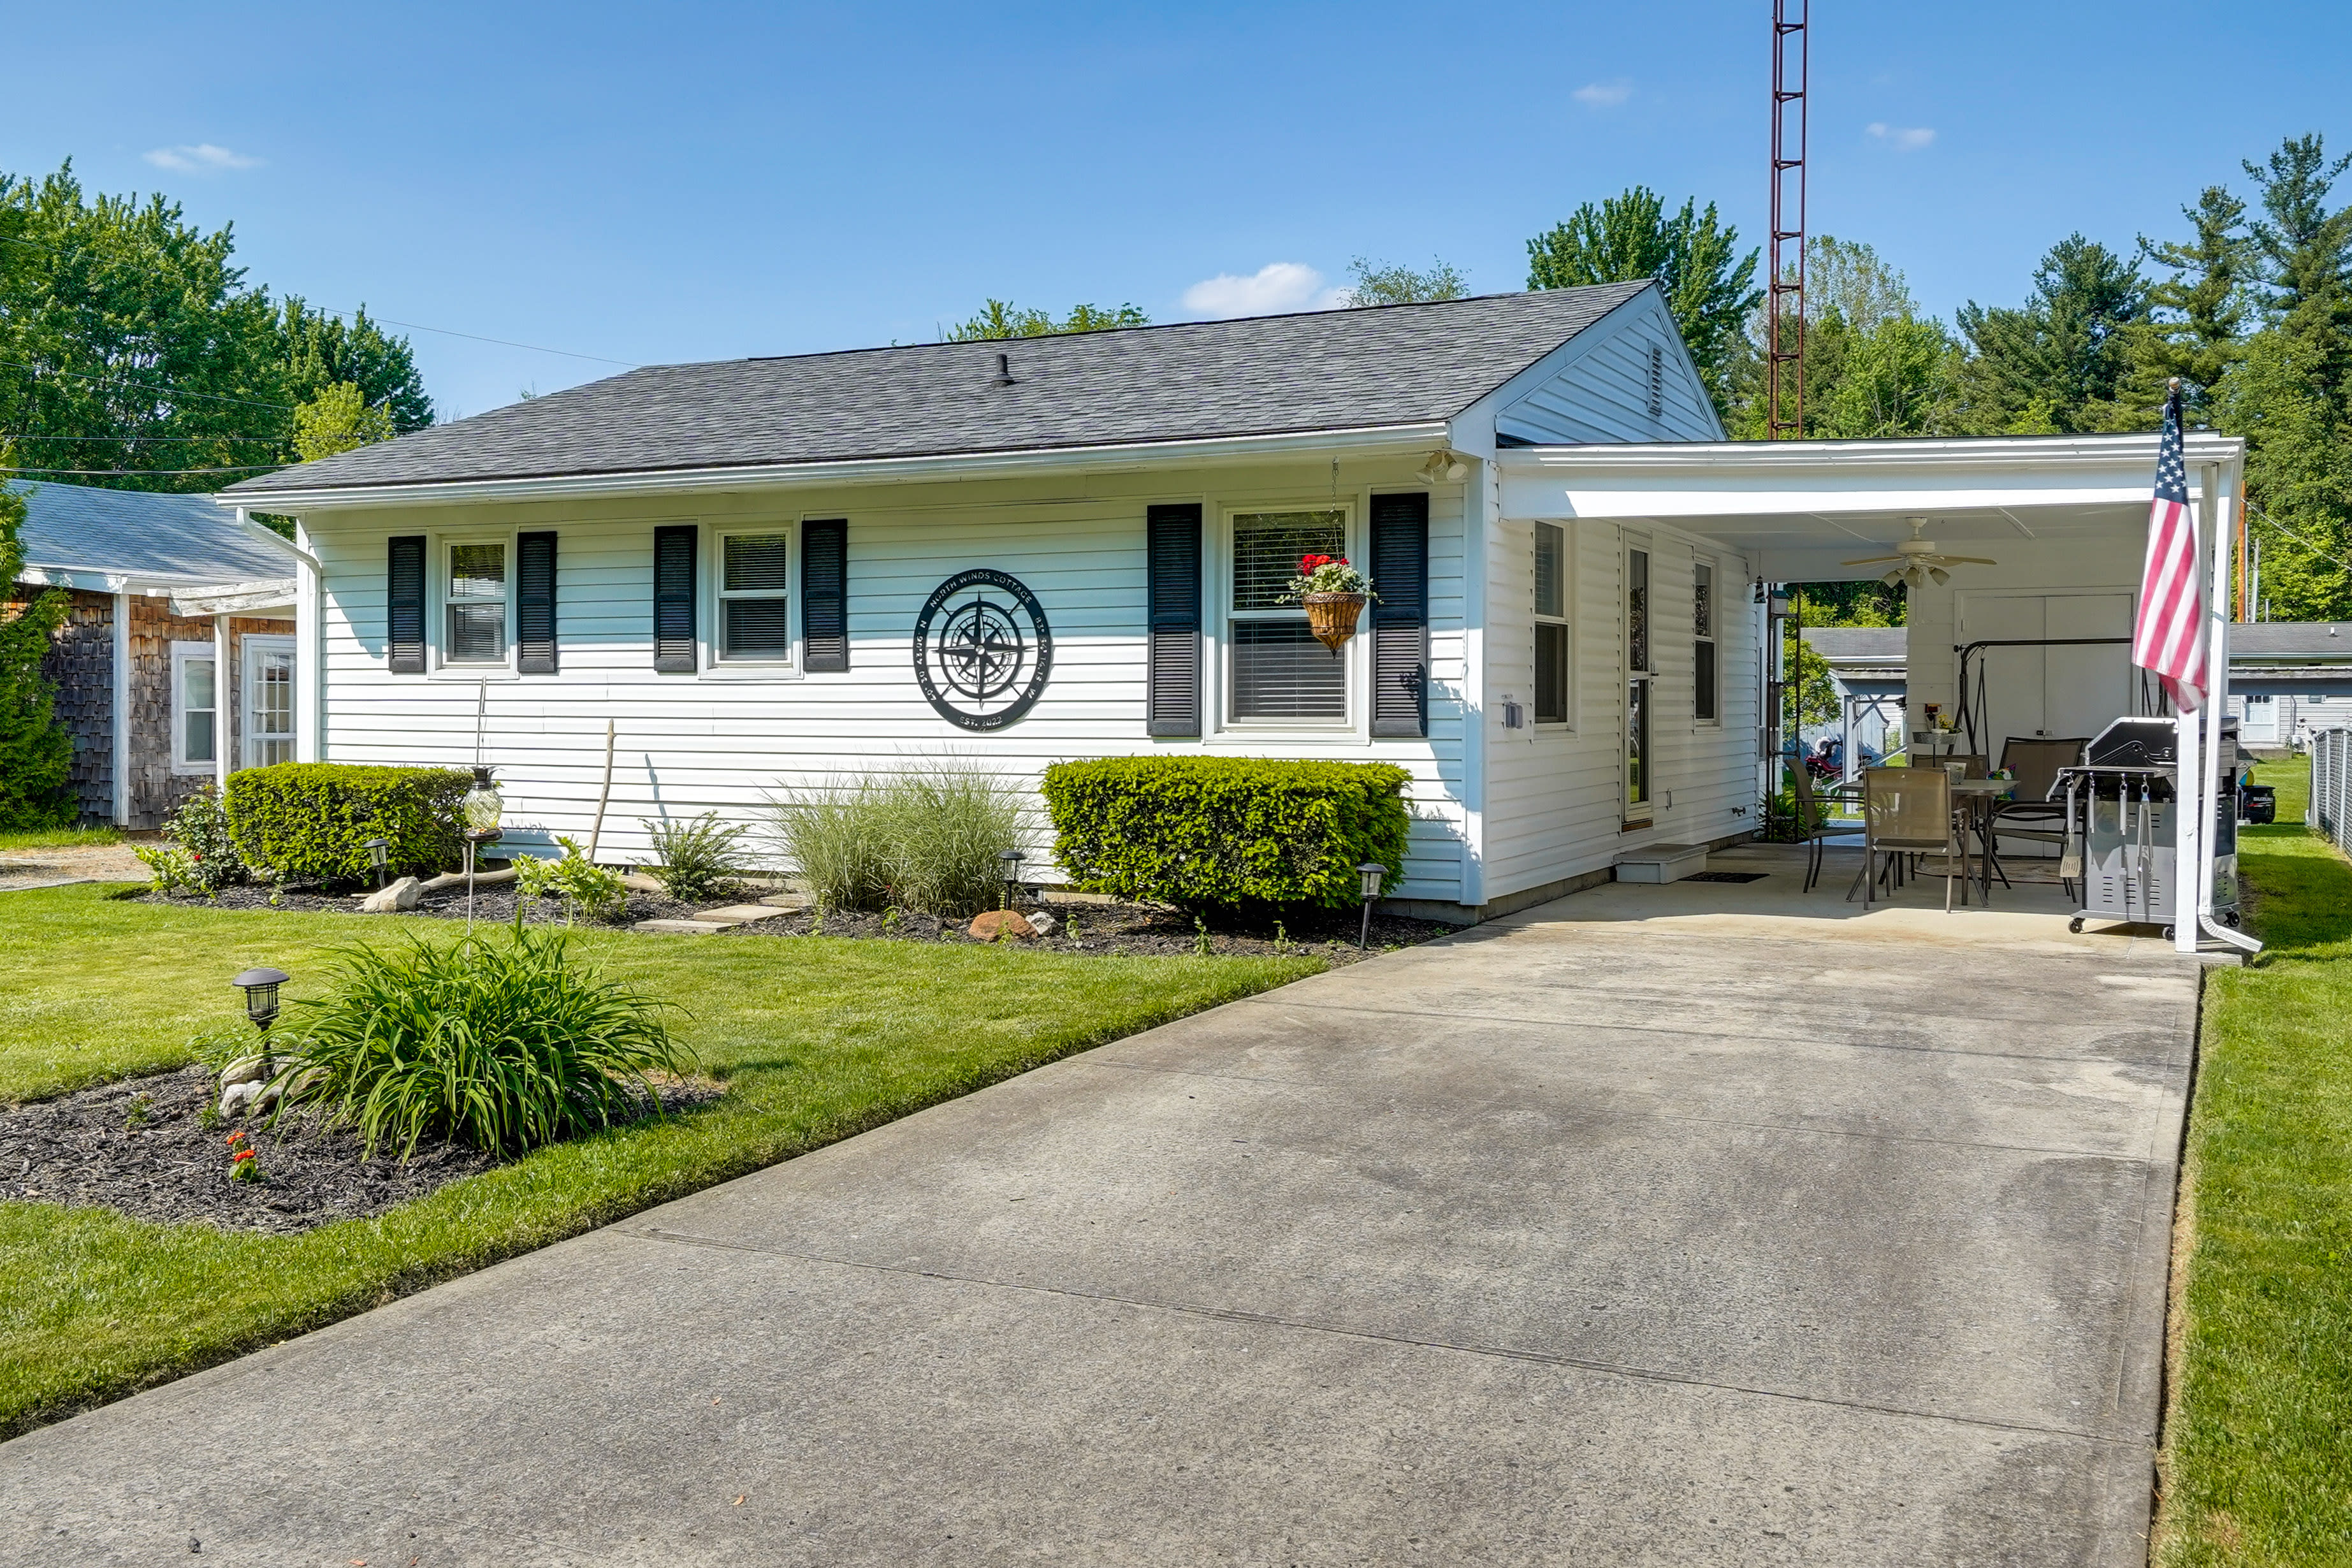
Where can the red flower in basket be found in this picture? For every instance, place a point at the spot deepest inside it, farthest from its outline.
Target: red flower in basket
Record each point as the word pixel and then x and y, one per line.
pixel 1306 563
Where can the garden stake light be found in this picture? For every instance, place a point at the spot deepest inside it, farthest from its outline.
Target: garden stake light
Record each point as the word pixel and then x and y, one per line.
pixel 1372 871
pixel 1010 861
pixel 260 988
pixel 379 850
pixel 481 809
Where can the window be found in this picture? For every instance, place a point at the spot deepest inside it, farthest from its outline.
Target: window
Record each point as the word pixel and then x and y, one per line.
pixel 477 607
pixel 755 622
pixel 196 707
pixel 1551 623
pixel 269 701
pixel 1279 670
pixel 1703 661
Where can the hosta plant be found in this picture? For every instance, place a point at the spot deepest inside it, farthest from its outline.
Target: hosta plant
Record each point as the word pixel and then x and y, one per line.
pixel 503 1040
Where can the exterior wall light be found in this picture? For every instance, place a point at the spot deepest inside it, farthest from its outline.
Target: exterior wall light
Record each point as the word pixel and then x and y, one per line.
pixel 1372 872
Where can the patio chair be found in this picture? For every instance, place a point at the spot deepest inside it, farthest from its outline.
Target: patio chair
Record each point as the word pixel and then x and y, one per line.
pixel 1814 822
pixel 2032 814
pixel 1908 811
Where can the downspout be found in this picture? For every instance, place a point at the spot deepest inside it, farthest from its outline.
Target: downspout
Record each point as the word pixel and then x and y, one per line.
pixel 121 768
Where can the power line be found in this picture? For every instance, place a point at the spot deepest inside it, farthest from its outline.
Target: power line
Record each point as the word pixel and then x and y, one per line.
pixel 191 440
pixel 148 386
pixel 412 326
pixel 245 468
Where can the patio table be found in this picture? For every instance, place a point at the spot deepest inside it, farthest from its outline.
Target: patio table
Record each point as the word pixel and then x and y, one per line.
pixel 1979 798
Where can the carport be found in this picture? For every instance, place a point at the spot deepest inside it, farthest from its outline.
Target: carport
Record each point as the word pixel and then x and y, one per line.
pixel 2040 635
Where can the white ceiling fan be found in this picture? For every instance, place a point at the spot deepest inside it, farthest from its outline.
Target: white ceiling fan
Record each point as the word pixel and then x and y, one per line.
pixel 1918 560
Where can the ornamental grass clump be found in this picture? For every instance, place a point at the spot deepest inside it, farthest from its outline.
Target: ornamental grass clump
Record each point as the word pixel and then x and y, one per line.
pixel 501 1040
pixel 925 838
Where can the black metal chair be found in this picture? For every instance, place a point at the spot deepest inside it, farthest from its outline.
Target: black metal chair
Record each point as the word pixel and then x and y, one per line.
pixel 1814 822
pixel 2033 815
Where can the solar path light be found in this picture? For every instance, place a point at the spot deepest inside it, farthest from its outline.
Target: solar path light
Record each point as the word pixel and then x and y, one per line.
pixel 1372 871
pixel 1010 861
pixel 260 988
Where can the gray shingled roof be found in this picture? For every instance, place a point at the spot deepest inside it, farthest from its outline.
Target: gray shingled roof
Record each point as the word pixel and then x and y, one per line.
pixel 1884 644
pixel 1328 370
pixel 187 538
pixel 2314 641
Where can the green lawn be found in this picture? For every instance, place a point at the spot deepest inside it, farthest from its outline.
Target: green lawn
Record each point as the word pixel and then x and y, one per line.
pixel 57 837
pixel 2257 1465
pixel 815 1039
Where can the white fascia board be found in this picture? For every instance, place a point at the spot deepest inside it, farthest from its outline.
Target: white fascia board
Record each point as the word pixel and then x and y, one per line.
pixel 238 599
pixel 1763 479
pixel 877 470
pixel 179 590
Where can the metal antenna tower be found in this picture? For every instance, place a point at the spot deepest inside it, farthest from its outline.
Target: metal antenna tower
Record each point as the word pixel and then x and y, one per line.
pixel 1784 368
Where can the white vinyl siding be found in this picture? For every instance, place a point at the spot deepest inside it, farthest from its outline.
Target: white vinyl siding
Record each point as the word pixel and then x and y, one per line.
pixel 1600 386
pixel 716 744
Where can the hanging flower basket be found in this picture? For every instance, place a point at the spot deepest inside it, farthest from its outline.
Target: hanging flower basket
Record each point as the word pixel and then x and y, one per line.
pixel 1334 595
pixel 1332 616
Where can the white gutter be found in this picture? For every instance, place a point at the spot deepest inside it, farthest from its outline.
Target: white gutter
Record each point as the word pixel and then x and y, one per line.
pixel 867 470
pixel 1895 451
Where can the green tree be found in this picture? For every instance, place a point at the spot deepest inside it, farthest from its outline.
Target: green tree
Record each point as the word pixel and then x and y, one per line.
pixel 340 419
pixel 134 351
pixel 1874 366
pixel 1709 285
pixel 1001 319
pixel 35 753
pixel 1400 285
pixel 2198 312
pixel 2058 361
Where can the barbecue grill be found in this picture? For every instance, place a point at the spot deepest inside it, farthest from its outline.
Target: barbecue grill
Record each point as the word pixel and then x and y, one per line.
pixel 2121 807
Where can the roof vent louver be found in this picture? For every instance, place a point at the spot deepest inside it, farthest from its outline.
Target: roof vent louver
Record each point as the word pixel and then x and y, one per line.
pixel 1004 376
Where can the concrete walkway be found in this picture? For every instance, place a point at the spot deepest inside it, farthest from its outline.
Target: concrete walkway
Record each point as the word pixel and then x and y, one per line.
pixel 1725 1236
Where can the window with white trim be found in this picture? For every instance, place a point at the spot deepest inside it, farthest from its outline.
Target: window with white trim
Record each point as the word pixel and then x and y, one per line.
pixel 196 707
pixel 474 604
pixel 1707 678
pixel 755 621
pixel 1551 681
pixel 1279 671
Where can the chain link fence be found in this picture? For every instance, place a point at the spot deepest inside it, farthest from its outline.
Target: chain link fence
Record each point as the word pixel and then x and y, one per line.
pixel 2331 786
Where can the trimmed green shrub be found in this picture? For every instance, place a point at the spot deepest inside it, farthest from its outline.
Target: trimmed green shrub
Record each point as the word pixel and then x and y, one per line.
pixel 309 821
pixel 695 858
pixel 924 838
pixel 498 1040
pixel 1226 832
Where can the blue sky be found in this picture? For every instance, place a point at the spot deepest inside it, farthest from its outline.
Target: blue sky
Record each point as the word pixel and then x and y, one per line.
pixel 707 181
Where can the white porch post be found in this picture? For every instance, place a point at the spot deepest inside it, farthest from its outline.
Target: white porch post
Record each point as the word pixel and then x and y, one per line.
pixel 310 662
pixel 2218 485
pixel 1481 507
pixel 224 705
pixel 121 765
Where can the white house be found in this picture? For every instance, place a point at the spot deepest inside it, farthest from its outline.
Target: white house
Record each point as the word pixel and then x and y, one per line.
pixel 772 571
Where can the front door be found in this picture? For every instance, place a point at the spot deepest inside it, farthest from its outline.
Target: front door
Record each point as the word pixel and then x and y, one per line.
pixel 269 701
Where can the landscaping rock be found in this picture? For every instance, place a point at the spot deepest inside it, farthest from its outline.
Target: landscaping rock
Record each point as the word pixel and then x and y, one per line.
pixel 237 1098
pixel 400 897
pixel 245 1069
pixel 1041 922
pixel 638 882
pixel 998 924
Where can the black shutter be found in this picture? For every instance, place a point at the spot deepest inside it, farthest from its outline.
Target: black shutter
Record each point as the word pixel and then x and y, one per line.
pixel 1172 594
pixel 825 593
pixel 403 604
pixel 1400 614
pixel 674 646
pixel 535 604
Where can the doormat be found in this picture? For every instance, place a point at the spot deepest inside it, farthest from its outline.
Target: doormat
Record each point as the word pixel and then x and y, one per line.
pixel 1724 876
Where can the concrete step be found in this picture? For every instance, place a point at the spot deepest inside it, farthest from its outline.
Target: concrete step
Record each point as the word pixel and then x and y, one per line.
pixel 739 914
pixel 684 928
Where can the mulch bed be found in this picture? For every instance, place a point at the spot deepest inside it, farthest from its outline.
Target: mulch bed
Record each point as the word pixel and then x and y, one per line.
pixel 169 1163
pixel 1104 930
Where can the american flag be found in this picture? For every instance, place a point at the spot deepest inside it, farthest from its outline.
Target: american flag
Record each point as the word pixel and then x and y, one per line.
pixel 2170 636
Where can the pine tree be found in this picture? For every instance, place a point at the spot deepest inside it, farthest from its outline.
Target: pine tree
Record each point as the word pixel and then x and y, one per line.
pixel 2057 362
pixel 2197 315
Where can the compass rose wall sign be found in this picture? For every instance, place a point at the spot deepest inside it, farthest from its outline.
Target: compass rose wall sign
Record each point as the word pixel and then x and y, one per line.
pixel 983 649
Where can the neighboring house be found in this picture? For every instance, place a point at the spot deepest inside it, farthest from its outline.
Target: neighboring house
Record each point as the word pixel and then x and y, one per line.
pixel 1867 670
pixel 177 660
pixel 2288 679
pixel 774 572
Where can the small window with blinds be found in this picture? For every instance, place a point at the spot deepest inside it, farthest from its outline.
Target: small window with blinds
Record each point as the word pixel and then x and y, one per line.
pixel 755 621
pixel 474 606
pixel 1551 680
pixel 1280 673
pixel 1706 683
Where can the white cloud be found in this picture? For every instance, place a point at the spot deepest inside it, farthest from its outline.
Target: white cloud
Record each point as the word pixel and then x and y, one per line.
pixel 1903 139
pixel 1275 287
pixel 201 159
pixel 1603 94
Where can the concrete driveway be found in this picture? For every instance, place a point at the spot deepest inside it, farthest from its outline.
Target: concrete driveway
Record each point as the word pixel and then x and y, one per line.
pixel 1579 1238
